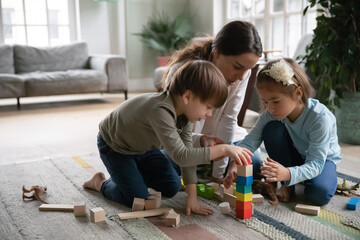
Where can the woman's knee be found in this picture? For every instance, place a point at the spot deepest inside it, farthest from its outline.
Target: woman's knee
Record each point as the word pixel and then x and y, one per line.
pixel 170 189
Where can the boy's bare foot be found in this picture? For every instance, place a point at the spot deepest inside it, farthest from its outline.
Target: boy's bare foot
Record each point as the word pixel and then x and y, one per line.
pixel 285 193
pixel 95 182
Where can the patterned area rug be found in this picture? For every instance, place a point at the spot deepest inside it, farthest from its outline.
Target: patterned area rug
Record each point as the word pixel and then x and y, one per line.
pixel 64 178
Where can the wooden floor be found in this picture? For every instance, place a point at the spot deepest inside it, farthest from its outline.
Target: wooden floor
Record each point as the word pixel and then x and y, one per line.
pixel 63 126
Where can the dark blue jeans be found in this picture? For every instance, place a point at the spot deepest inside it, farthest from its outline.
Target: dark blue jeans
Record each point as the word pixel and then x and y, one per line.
pixel 280 148
pixel 131 175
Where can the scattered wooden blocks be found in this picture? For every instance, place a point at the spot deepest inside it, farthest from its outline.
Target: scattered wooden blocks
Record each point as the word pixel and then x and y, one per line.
pixel 138 204
pixel 224 207
pixel 97 214
pixel 307 209
pixel 172 219
pixel 153 202
pixel 257 198
pixel 353 203
pixel 80 209
pixel 231 199
pixel 56 207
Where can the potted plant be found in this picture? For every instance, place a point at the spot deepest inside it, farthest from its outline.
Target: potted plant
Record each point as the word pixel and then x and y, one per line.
pixel 333 59
pixel 167 35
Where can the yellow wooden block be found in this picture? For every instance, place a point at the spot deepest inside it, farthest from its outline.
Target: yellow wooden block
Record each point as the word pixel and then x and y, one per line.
pixel 244 197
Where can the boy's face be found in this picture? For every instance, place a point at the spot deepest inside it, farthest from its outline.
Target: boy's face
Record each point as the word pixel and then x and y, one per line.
pixel 196 110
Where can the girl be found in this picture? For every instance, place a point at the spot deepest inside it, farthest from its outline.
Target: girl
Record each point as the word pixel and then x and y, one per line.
pixel 299 134
pixel 130 137
pixel 234 51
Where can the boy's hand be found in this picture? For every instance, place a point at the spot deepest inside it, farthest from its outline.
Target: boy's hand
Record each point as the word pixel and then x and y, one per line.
pixel 274 171
pixel 242 156
pixel 231 175
pixel 192 205
pixel 210 141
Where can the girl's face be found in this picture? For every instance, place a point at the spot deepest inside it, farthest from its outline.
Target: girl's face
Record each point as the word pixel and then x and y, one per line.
pixel 281 105
pixel 234 67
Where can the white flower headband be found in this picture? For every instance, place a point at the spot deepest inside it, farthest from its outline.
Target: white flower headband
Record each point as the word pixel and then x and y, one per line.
pixel 281 72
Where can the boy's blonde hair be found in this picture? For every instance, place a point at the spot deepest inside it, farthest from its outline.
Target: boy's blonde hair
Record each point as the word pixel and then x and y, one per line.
pixel 203 79
pixel 299 78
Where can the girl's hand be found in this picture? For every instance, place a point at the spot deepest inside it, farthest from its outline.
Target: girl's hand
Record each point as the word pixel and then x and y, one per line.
pixel 231 175
pixel 210 141
pixel 192 204
pixel 274 171
pixel 242 156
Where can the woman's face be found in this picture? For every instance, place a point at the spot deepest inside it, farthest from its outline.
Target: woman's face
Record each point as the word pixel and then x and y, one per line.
pixel 234 67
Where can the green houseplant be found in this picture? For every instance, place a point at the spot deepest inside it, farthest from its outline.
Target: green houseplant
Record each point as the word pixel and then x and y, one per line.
pixel 333 59
pixel 167 35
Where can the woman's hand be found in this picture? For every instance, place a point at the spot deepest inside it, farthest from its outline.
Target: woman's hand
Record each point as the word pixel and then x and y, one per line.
pixel 210 141
pixel 231 175
pixel 192 204
pixel 274 171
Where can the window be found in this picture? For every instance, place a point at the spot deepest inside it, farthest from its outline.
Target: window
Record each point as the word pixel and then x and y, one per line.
pixel 36 22
pixel 280 23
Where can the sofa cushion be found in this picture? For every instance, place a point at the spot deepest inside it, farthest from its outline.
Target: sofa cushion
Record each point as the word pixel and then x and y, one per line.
pixel 6 59
pixel 50 59
pixel 11 85
pixel 66 82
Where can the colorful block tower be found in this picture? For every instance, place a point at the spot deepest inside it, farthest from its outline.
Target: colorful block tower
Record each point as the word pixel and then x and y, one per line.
pixel 244 183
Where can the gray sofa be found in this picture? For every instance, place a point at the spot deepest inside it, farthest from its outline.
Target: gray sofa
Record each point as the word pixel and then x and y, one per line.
pixel 30 71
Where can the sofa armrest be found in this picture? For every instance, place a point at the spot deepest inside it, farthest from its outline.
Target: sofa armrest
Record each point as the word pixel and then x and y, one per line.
pixel 114 66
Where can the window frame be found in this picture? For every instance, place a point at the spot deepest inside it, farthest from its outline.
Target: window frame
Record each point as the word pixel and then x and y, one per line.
pixel 72 22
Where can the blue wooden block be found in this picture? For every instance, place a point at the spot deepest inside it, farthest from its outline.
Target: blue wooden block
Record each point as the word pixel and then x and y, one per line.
pixel 244 180
pixel 243 188
pixel 353 203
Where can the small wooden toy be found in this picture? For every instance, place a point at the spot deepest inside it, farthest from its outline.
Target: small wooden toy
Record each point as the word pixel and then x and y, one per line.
pixel 56 207
pixel 37 193
pixel 353 203
pixel 80 209
pixel 224 207
pixel 138 204
pixel 172 219
pixel 153 202
pixel 146 213
pixel 257 198
pixel 205 191
pixel 307 209
pixel 97 214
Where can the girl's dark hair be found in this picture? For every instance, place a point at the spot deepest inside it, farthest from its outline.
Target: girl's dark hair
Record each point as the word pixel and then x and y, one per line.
pixel 233 39
pixel 300 78
pixel 203 79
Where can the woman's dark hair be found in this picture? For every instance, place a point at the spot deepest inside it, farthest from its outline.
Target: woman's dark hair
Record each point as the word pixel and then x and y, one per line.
pixel 234 38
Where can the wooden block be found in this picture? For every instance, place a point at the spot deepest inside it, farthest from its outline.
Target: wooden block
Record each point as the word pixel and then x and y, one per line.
pixel 216 186
pixel 243 188
pixel 171 211
pixel 146 213
pixel 244 180
pixel 353 203
pixel 224 207
pixel 257 198
pixel 231 199
pixel 240 205
pixel 218 197
pixel 244 214
pixel 153 192
pixel 97 214
pixel 152 202
pixel 307 209
pixel 245 197
pixel 80 209
pixel 245 170
pixel 56 207
pixel 138 204
pixel 172 220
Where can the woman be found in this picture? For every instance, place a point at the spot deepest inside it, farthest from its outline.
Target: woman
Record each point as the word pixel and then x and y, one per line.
pixel 234 51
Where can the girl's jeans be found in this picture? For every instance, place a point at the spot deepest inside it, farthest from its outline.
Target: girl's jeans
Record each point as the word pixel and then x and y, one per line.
pixel 131 175
pixel 279 147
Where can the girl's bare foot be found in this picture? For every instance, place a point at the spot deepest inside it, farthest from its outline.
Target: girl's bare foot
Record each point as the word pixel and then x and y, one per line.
pixel 285 193
pixel 95 182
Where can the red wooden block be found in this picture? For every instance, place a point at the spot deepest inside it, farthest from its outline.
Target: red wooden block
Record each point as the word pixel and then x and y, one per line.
pixel 243 205
pixel 244 214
